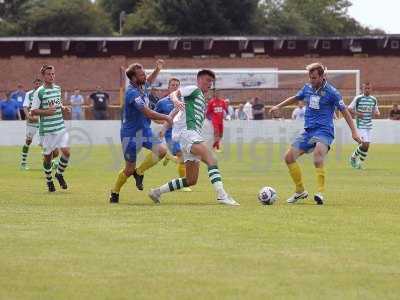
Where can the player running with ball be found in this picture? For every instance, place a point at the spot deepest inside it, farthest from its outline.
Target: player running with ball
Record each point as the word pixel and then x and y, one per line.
pixel 187 127
pixel 321 100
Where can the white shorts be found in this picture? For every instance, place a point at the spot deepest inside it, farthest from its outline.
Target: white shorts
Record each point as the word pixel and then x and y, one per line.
pixel 51 142
pixel 30 131
pixel 186 139
pixel 365 135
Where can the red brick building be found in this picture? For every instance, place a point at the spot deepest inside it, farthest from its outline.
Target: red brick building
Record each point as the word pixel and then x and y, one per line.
pixel 86 62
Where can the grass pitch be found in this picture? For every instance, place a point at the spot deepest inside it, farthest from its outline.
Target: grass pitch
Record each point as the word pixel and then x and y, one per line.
pixel 74 245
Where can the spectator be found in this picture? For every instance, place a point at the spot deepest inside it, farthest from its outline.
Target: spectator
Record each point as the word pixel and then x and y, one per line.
pixel 230 110
pixel 299 112
pixel 19 96
pixel 247 108
pixel 77 101
pixel 240 114
pixel 395 112
pixel 9 109
pixel 99 104
pixel 258 109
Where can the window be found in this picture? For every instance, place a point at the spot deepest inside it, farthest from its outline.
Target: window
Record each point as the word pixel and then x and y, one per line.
pixel 394 44
pixel 326 45
pixel 291 45
pixel 187 45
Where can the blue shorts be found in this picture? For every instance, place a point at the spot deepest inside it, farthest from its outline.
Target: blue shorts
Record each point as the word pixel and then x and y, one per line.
pixel 133 142
pixel 173 146
pixel 310 137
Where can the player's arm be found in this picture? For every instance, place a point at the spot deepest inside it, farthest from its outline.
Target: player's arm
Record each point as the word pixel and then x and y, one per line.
pixel 155 116
pixel 159 110
pixel 166 125
pixel 44 112
pixel 19 114
pixel 37 111
pixel 289 101
pixel 25 106
pixel 377 113
pixel 353 108
pixel 339 104
pixel 294 114
pixel 140 104
pixel 159 65
pixel 349 120
pixel 209 111
pixel 175 97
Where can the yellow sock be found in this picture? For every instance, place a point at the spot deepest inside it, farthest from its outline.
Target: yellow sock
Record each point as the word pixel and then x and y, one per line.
pixel 295 173
pixel 181 170
pixel 149 161
pixel 320 179
pixel 120 182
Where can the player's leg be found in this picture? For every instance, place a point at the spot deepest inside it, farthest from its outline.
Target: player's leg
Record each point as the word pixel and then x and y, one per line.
pixel 48 144
pixel 30 133
pixel 300 146
pixel 122 177
pixel 55 159
pixel 363 152
pixel 200 150
pixel 290 158
pixel 158 152
pixel 64 159
pixel 194 150
pixel 181 166
pixel 216 128
pixel 320 152
pixel 191 171
pixel 170 156
pixel 24 153
pixel 130 153
pixel 221 134
pixel 192 174
pixel 359 154
pixel 176 150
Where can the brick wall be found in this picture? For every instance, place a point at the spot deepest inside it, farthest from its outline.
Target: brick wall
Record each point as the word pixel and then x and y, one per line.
pixel 87 73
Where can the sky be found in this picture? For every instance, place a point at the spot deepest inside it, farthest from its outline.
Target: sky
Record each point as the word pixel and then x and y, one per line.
pixel 384 15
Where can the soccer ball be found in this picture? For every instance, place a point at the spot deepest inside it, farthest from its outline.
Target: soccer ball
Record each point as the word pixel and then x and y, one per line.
pixel 267 195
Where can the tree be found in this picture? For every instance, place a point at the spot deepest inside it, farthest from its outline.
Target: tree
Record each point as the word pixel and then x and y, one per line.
pixel 146 20
pixel 64 17
pixel 8 28
pixel 10 10
pixel 309 17
pixel 193 17
pixel 114 7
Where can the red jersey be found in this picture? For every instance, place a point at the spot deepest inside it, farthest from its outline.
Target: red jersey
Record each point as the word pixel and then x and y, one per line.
pixel 216 109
